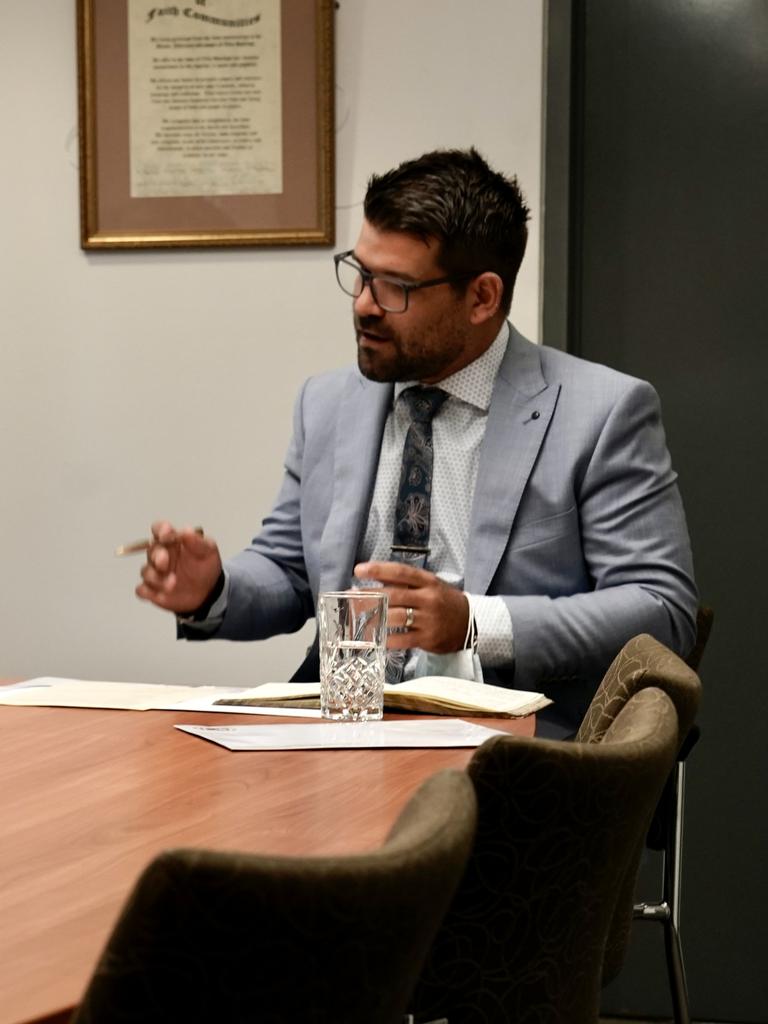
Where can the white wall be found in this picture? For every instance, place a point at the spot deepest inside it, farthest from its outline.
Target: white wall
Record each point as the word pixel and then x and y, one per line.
pixel 140 385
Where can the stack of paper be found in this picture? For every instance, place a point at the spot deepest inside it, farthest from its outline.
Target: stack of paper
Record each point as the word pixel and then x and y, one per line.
pixel 434 695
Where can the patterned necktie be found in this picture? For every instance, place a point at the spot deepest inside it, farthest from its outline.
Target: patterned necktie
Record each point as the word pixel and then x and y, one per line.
pixel 412 511
pixel 410 541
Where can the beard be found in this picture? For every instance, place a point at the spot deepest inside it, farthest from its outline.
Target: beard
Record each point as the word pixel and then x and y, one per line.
pixel 385 355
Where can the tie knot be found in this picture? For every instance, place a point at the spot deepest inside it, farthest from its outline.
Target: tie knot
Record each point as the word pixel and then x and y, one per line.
pixel 423 403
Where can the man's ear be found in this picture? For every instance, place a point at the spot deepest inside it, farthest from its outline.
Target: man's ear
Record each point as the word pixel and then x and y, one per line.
pixel 484 293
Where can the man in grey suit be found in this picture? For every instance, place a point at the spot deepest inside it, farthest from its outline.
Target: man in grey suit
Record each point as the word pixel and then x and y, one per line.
pixel 556 522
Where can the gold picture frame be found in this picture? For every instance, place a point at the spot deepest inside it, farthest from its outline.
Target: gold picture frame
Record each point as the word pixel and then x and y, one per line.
pixel 297 208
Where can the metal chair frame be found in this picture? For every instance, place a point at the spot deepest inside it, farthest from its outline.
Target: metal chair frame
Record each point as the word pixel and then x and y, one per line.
pixel 666 911
pixel 669 822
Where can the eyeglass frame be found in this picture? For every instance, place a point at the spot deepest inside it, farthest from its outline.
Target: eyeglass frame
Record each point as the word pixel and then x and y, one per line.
pixel 368 278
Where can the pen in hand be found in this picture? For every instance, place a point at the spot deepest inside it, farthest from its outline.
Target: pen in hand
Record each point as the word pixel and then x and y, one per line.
pixel 137 546
pixel 134 548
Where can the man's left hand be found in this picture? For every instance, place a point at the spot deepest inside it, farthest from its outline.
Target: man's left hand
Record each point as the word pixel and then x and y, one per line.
pixel 439 613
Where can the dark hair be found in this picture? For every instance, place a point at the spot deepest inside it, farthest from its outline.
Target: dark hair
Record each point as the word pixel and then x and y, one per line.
pixel 477 215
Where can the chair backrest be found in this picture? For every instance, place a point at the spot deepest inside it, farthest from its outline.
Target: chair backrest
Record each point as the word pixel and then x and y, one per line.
pixel 557 823
pixel 209 936
pixel 641 662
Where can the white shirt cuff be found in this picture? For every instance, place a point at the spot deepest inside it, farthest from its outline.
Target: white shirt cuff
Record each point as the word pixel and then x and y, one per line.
pixel 495 638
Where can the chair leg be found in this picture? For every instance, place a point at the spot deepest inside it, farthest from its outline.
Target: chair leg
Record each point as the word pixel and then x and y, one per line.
pixel 667 910
pixel 673 867
pixel 676 971
pixel 673 849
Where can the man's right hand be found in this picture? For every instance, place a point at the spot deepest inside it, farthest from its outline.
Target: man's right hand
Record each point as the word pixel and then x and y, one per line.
pixel 181 570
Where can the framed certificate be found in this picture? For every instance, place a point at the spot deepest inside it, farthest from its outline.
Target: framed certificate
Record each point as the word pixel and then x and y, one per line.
pixel 206 123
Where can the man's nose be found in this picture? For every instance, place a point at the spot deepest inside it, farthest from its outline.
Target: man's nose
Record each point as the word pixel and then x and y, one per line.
pixel 365 304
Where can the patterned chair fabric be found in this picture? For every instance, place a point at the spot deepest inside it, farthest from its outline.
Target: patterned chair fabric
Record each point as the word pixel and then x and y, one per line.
pixel 558 823
pixel 642 662
pixel 223 937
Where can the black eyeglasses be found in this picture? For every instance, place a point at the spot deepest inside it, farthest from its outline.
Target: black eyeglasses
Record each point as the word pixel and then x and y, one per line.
pixel 389 293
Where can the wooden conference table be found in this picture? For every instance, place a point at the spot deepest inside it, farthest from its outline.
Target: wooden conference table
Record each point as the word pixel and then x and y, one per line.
pixel 90 796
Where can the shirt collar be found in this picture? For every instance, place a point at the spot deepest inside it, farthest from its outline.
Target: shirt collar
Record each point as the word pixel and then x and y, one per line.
pixel 472 384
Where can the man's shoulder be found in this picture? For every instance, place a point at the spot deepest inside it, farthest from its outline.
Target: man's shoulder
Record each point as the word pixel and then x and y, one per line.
pixel 573 373
pixel 330 384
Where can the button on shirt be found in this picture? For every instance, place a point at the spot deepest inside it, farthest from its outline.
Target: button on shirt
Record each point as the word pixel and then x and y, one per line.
pixel 457 435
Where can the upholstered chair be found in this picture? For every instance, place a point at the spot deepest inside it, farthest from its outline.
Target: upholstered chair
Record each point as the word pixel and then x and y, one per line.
pixel 239 937
pixel 558 824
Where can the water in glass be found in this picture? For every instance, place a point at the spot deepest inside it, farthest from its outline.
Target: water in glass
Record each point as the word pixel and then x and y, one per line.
pixel 352 680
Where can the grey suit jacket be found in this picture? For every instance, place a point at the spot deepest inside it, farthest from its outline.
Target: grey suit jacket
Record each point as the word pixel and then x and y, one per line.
pixel 576 522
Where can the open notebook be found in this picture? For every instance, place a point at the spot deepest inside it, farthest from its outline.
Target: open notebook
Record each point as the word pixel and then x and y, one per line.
pixel 434 695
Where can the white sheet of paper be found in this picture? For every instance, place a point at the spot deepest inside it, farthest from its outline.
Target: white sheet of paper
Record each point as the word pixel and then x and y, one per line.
pixel 205 91
pixel 447 732
pixel 50 691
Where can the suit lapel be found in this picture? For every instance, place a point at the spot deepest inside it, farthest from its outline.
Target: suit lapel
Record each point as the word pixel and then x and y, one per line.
pixel 521 409
pixel 359 425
